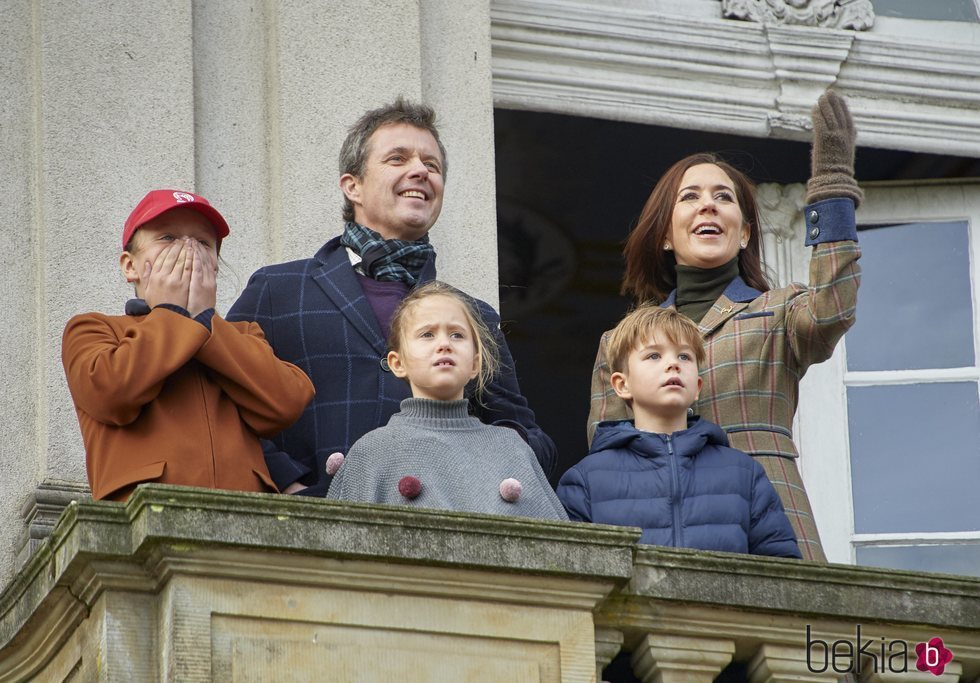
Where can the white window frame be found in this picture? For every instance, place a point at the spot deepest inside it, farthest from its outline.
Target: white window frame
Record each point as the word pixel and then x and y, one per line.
pixel 824 448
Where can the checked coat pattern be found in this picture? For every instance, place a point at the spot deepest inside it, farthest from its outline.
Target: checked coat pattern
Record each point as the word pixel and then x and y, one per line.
pixel 315 314
pixel 758 346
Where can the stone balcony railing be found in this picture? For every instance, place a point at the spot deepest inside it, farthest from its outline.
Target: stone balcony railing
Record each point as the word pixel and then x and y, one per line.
pixel 193 585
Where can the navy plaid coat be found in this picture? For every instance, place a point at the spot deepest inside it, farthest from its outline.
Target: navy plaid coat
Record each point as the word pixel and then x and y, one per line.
pixel 315 315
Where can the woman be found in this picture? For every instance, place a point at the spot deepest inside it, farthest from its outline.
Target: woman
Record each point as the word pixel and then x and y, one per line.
pixel 696 247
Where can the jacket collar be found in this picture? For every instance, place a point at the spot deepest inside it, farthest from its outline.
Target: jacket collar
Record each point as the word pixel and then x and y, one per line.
pixel 686 443
pixel 737 296
pixel 737 291
pixel 334 274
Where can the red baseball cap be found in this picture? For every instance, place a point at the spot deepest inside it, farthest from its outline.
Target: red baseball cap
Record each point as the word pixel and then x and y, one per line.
pixel 157 202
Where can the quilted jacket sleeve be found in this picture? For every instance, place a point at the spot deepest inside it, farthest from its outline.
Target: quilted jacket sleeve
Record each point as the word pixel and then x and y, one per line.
pixel 573 492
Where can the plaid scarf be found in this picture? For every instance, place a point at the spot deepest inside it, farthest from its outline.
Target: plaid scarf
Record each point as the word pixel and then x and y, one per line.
pixel 387 260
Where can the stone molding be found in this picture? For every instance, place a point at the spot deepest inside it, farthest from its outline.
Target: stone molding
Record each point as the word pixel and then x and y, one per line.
pixel 763 605
pixel 167 555
pixel 780 210
pixel 680 659
pixel 784 586
pixel 782 664
pixel 213 585
pixel 853 14
pixel 648 66
pixel 608 643
pixel 42 510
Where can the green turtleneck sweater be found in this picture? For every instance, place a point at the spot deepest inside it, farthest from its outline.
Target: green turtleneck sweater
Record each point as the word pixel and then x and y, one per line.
pixel 698 288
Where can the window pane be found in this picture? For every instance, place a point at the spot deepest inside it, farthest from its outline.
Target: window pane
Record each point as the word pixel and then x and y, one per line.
pixel 951 559
pixel 948 10
pixel 915 306
pixel 915 457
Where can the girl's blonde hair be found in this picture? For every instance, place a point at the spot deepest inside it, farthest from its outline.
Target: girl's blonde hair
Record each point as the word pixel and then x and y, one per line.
pixel 487 351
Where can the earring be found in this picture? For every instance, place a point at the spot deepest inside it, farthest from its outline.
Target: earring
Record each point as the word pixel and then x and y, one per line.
pixel 666 246
pixel 744 244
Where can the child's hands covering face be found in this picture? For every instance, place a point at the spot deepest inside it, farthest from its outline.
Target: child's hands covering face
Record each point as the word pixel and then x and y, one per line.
pixel 202 293
pixel 167 279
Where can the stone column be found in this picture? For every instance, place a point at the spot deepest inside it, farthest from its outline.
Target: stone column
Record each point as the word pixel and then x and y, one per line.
pixel 457 81
pixel 22 335
pixel 608 643
pixel 785 664
pixel 664 658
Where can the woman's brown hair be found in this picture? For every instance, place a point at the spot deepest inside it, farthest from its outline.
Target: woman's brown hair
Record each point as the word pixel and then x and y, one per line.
pixel 650 269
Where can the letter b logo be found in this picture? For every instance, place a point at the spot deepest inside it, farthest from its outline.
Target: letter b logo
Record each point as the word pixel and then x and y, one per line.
pixel 933 656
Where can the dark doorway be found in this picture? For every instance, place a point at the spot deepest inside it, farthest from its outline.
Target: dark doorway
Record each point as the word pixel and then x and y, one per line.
pixel 569 190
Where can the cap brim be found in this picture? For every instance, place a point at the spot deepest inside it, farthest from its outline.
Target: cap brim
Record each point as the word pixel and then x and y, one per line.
pixel 214 217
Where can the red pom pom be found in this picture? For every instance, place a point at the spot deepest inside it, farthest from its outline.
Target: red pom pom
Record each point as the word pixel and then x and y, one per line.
pixel 334 462
pixel 510 489
pixel 410 487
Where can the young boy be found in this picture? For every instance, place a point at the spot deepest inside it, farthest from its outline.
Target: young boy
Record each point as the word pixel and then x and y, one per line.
pixel 171 392
pixel 672 475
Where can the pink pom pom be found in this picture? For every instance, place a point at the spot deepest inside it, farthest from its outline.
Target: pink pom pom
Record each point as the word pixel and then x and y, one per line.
pixel 334 461
pixel 410 487
pixel 510 490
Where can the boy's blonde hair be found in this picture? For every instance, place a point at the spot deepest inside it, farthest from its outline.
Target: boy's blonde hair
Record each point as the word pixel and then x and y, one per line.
pixel 486 346
pixel 642 323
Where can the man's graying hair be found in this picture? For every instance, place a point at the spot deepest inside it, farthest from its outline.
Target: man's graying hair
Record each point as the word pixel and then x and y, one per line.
pixel 354 152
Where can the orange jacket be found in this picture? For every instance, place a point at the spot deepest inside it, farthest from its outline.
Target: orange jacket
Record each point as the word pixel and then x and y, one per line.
pixel 159 398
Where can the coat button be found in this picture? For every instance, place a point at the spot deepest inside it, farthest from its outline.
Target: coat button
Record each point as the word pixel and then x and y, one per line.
pixel 814 233
pixel 384 364
pixel 813 216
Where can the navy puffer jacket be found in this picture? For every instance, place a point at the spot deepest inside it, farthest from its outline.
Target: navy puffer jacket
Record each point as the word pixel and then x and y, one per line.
pixel 688 489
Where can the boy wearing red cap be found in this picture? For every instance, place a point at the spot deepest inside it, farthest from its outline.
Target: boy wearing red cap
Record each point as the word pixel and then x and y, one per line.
pixel 171 392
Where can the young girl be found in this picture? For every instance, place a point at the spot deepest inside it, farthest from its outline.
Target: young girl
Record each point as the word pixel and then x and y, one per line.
pixel 171 392
pixel 433 454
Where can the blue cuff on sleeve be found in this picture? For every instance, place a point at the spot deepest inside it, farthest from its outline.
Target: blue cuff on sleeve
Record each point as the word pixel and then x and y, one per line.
pixel 830 220
pixel 175 308
pixel 282 468
pixel 204 317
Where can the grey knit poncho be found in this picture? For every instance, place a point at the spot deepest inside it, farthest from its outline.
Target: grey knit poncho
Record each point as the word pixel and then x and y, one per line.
pixel 459 461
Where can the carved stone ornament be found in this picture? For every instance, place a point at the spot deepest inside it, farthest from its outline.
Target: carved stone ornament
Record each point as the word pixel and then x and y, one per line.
pixel 853 14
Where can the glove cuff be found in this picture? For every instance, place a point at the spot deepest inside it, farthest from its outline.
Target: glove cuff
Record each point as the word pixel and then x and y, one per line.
pixel 831 185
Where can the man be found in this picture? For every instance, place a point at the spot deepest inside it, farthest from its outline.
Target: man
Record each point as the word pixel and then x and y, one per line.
pixel 330 314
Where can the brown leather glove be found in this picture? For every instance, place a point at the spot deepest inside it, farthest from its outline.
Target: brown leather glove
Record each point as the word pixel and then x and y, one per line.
pixel 832 161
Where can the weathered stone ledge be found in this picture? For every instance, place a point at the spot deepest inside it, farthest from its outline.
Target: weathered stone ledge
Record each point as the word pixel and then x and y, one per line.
pixel 186 582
